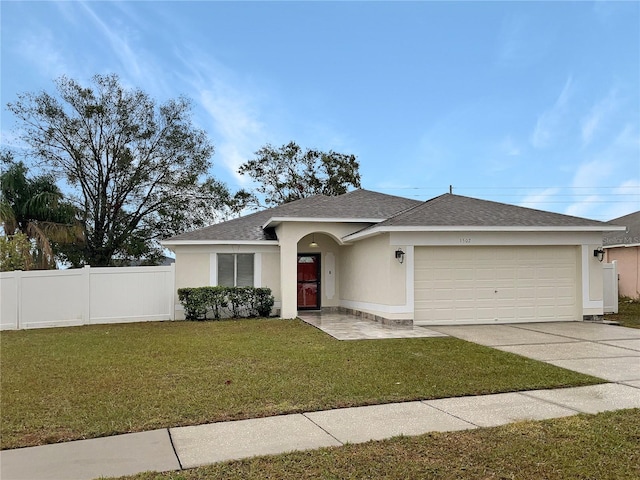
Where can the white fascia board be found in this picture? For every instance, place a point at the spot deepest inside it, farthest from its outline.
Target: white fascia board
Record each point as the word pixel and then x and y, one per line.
pixel 461 228
pixel 273 221
pixel 622 245
pixel 168 243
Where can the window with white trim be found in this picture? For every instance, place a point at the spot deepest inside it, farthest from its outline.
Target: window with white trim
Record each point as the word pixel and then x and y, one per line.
pixel 235 269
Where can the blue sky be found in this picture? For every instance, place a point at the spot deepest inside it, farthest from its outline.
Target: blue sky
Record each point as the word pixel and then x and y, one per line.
pixel 531 103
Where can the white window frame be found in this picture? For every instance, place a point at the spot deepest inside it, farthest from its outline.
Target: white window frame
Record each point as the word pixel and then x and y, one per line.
pixel 257 267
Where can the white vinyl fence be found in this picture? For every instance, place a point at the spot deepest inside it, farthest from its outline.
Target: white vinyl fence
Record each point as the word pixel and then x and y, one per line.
pixel 86 296
pixel 610 282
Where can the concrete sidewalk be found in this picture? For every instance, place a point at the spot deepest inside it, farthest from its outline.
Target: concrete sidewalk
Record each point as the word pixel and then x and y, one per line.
pixel 609 352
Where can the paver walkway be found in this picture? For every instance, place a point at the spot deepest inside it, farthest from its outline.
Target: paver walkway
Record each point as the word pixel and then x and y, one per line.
pixel 605 351
pixel 351 327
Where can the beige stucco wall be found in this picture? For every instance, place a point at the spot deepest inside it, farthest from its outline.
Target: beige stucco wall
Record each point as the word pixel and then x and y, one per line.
pixel 271 274
pixel 192 268
pixel 628 259
pixel 371 278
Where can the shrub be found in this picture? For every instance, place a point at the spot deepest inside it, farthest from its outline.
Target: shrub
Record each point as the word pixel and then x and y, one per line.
pixel 217 300
pixel 225 302
pixel 194 305
pixel 262 302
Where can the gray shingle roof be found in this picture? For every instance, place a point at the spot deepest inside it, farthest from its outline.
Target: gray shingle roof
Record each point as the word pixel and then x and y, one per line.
pixel 388 211
pixel 457 210
pixel 356 204
pixel 629 237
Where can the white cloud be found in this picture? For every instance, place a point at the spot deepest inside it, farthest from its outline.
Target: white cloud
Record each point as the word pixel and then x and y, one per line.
pixel 240 131
pixel 137 65
pixel 40 49
pixel 539 200
pixel 627 199
pixel 585 206
pixel 520 43
pixel 598 114
pixel 117 38
pixel 509 147
pixel 231 111
pixel 550 121
pixel 591 174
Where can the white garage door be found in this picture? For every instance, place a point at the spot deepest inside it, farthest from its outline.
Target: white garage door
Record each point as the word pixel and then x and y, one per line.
pixel 463 285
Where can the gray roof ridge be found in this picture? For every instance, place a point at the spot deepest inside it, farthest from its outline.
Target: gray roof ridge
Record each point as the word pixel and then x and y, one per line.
pixel 406 211
pixel 376 193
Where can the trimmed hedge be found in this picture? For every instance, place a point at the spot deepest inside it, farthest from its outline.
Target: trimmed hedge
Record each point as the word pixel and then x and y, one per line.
pixel 225 302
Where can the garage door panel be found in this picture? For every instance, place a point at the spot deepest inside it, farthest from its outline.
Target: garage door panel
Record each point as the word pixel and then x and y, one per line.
pixel 506 273
pixel 546 273
pixel 546 292
pixel 507 294
pixel 506 312
pixel 485 294
pixel 495 284
pixel 525 273
pixel 524 293
pixel 528 312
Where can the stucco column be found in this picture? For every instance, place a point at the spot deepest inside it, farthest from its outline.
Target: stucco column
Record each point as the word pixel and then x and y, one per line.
pixel 288 277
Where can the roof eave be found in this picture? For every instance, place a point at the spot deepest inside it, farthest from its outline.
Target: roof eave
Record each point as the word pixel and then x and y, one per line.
pixel 462 228
pixel 274 221
pixel 175 243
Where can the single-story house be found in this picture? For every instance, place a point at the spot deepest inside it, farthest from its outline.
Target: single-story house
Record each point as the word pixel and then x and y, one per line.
pixel 449 260
pixel 624 248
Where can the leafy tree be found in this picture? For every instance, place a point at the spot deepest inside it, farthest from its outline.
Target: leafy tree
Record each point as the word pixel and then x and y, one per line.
pixel 137 170
pixel 35 208
pixel 15 253
pixel 288 173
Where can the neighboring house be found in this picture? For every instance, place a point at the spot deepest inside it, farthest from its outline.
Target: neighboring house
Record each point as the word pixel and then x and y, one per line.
pixel 624 248
pixel 449 260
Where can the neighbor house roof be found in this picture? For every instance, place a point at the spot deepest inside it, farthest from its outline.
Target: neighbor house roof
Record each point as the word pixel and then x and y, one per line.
pixel 629 237
pixel 386 213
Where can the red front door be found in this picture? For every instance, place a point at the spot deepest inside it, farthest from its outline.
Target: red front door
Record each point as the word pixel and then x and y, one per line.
pixel 309 281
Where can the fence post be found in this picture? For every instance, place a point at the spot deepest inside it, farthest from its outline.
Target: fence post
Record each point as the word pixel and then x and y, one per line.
pixel 172 292
pixel 86 308
pixel 18 274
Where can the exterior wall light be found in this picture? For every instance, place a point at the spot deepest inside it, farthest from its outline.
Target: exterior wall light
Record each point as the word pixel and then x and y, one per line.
pixel 599 252
pixel 400 255
pixel 313 243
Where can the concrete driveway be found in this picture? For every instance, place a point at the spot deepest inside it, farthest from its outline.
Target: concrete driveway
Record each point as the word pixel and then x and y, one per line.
pixel 605 351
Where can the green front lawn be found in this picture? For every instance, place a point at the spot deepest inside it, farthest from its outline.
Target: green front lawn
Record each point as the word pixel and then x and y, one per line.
pixel 603 447
pixel 68 383
pixel 628 313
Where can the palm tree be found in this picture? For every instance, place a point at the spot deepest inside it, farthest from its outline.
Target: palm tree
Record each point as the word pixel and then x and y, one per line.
pixel 35 207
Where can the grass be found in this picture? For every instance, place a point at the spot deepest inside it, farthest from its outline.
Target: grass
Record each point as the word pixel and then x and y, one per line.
pixel 628 313
pixel 82 382
pixel 603 446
